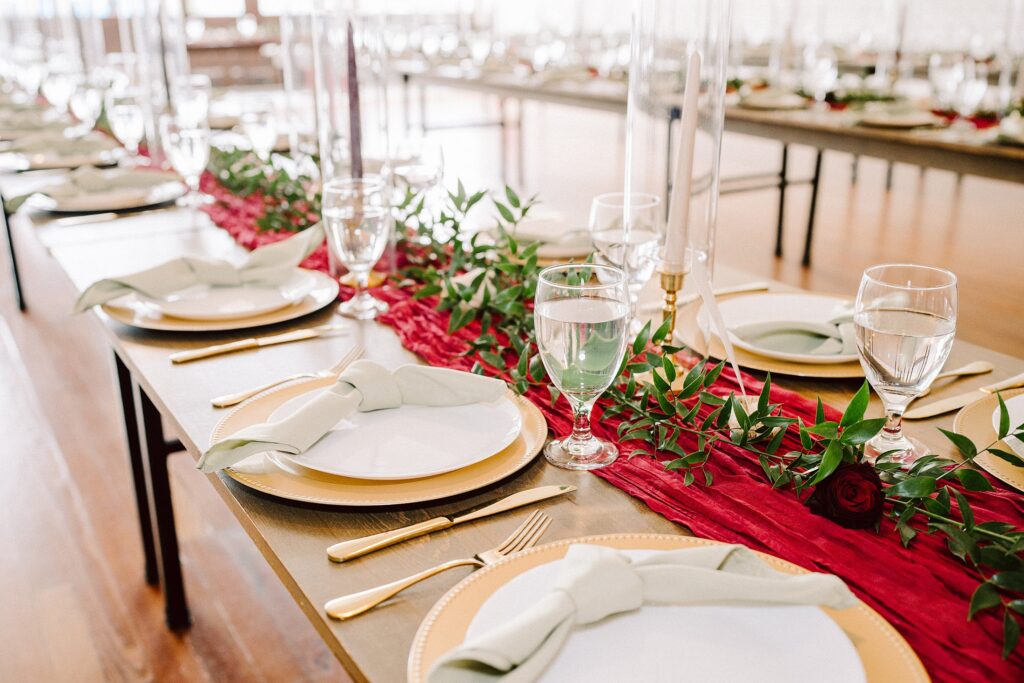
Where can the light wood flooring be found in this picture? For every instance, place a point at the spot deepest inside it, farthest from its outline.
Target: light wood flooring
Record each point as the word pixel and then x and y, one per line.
pixel 75 607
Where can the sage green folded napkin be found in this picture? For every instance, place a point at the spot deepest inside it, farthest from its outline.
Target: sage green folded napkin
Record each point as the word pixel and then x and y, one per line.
pixel 268 265
pixel 114 183
pixel 598 582
pixel 835 337
pixel 55 143
pixel 364 386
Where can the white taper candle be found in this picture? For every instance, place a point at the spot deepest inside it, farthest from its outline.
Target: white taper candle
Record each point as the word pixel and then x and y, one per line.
pixel 679 206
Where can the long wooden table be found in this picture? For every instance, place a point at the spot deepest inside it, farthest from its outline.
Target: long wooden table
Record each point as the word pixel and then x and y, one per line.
pixel 293 537
pixel 964 152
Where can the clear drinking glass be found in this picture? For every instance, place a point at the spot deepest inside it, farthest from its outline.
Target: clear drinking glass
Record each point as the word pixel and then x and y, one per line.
pixel 260 127
pixel 190 99
pixel 635 251
pixel 357 220
pixel 580 316
pixel 821 71
pixel 418 165
pixel 124 113
pixel 86 103
pixel 905 318
pixel 945 73
pixel 188 150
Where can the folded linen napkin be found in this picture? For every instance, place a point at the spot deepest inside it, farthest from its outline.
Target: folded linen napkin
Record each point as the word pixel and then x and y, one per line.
pixel 364 386
pixel 90 180
pixel 835 337
pixel 55 143
pixel 597 582
pixel 270 265
pixel 1011 129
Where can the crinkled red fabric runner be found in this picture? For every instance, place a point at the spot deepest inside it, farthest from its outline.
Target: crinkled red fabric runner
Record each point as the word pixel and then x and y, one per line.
pixel 923 591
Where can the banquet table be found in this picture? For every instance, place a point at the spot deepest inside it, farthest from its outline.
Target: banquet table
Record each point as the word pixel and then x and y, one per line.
pixel 293 537
pixel 966 152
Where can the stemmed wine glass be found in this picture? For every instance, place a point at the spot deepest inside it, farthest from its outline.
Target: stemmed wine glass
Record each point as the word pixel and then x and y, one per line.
pixel 821 71
pixel 945 73
pixel 635 251
pixel 580 316
pixel 188 149
pixel 124 113
pixel 357 222
pixel 260 126
pixel 190 99
pixel 905 316
pixel 86 103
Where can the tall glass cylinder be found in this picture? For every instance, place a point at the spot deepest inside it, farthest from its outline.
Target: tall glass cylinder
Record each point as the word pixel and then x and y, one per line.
pixel 659 121
pixel 298 79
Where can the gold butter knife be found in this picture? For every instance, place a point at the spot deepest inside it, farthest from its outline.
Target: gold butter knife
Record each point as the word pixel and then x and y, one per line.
pixel 255 343
pixel 357 547
pixel 946 405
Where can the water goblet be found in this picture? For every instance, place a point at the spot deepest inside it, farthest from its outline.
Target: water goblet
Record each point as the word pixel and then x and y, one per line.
pixel 86 103
pixel 188 150
pixel 190 99
pixel 905 318
pixel 260 126
pixel 357 221
pixel 628 238
pixel 580 317
pixel 124 113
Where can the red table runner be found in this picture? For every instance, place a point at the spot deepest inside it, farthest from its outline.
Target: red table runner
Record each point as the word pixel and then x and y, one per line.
pixel 923 591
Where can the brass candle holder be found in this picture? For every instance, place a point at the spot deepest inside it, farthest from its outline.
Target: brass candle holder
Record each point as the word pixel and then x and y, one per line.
pixel 671 283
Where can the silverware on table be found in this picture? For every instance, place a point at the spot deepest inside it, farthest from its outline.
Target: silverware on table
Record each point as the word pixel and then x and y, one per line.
pixel 978 367
pixel 256 342
pixel 655 306
pixel 952 403
pixel 233 399
pixel 357 547
pixel 526 536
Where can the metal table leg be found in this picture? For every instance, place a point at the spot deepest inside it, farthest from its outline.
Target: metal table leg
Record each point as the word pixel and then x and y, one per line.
pixel 131 432
pixel 19 295
pixel 783 182
pixel 155 459
pixel 812 209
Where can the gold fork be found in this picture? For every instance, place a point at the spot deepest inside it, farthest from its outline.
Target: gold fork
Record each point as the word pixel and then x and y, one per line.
pixel 333 371
pixel 526 536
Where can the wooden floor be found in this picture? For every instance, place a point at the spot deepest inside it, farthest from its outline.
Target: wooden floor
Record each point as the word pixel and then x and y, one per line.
pixel 75 607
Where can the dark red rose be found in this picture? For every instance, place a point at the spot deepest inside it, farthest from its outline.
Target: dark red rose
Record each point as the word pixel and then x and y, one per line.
pixel 851 497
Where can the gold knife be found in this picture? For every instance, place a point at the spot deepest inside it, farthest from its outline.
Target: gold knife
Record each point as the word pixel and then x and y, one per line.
pixel 952 403
pixel 357 547
pixel 255 343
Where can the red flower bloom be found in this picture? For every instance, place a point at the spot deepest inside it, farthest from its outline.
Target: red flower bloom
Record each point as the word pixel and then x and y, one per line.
pixel 851 497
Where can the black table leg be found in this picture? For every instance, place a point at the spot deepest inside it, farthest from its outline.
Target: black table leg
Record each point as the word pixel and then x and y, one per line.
pixel 15 276
pixel 155 458
pixel 813 208
pixel 131 432
pixel 783 182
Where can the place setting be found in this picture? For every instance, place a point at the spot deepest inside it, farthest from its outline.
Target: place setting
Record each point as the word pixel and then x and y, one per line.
pixel 53 149
pixel 88 189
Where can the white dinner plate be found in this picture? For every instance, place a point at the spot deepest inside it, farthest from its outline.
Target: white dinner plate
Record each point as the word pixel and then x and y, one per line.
pixel 206 302
pixel 762 308
pixel 773 100
pixel 14 161
pixel 409 442
pixel 708 642
pixel 899 119
pixel 116 199
pixel 1015 406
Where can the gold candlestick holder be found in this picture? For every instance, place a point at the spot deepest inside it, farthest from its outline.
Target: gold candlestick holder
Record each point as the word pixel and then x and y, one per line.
pixel 671 283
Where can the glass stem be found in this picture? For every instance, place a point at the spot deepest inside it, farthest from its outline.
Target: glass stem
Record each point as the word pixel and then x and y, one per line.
pixel 581 434
pixel 893 429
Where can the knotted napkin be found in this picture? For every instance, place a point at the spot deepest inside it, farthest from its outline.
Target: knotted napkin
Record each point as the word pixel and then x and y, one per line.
pixel 115 184
pixel 364 386
pixel 596 582
pixel 54 142
pixel 268 265
pixel 835 337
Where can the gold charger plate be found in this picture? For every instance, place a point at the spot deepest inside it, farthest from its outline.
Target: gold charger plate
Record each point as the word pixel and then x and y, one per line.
pixel 885 654
pixel 310 486
pixel 689 333
pixel 140 315
pixel 975 422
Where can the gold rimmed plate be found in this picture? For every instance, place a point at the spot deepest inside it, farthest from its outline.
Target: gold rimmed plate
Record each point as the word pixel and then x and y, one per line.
pixel 688 331
pixel 883 653
pixel 975 422
pixel 139 313
pixel 291 481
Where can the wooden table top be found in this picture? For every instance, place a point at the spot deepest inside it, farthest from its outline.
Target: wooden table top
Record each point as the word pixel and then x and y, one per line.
pixel 293 537
pixel 962 151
